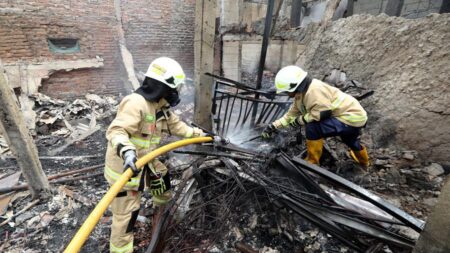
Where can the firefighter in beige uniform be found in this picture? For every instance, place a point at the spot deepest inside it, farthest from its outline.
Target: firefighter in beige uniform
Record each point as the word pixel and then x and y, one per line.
pixel 141 119
pixel 324 110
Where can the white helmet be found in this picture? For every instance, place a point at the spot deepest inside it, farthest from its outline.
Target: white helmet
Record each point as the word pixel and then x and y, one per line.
pixel 167 71
pixel 289 78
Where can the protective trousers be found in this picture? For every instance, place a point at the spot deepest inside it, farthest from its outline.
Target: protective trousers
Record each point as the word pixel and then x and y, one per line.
pixel 125 209
pixel 332 127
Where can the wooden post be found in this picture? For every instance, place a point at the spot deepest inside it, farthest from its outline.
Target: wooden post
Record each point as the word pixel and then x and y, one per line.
pixel 435 238
pixel 13 128
pixel 394 7
pixel 205 22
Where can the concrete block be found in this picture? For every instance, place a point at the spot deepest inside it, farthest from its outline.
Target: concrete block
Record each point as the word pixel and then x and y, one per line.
pixel 424 6
pixel 273 59
pixel 434 170
pixel 252 12
pixel 383 8
pixel 436 4
pixel 230 12
pixel 231 59
pixel 373 11
pixel 434 238
pixel 411 2
pixel 364 2
pixel 289 53
pixel 13 74
pixel 409 8
pixel 250 56
pixel 372 5
pixel 421 14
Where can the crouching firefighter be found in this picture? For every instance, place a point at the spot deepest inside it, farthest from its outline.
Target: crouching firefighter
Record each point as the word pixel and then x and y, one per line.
pixel 141 119
pixel 324 111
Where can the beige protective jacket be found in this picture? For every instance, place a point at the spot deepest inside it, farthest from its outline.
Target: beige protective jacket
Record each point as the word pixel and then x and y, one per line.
pixel 139 125
pixel 321 97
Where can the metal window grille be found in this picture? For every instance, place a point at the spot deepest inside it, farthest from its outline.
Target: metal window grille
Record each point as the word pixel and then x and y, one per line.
pixel 237 106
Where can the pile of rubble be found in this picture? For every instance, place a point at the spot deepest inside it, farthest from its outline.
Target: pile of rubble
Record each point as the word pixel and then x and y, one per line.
pixel 222 217
pixel 4 148
pixel 252 220
pixel 226 212
pixel 29 225
pixel 58 121
pixel 61 118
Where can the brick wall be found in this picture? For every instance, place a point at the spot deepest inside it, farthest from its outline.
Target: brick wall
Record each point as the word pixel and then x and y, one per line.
pixel 160 28
pixel 152 29
pixel 26 25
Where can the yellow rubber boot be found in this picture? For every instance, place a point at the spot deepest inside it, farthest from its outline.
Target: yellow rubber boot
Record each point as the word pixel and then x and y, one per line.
pixel 314 149
pixel 361 157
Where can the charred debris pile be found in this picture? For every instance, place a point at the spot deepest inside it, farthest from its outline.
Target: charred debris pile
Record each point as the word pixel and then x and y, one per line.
pixel 255 196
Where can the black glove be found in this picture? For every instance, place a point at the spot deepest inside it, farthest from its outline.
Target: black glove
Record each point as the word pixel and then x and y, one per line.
pixel 129 160
pixel 296 122
pixel 268 131
pixel 270 94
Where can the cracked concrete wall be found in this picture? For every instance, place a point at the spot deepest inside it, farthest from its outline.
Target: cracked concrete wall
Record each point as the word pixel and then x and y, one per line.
pixel 406 62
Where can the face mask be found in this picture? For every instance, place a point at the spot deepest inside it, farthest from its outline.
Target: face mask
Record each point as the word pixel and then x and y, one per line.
pixel 172 97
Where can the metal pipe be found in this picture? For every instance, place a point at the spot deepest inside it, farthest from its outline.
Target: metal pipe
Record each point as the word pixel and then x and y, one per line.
pixel 262 58
pixel 265 43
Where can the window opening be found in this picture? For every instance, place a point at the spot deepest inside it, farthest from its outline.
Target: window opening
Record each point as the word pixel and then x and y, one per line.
pixel 64 46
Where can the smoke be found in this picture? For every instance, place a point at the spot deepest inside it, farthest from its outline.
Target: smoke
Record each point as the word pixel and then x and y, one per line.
pixel 250 138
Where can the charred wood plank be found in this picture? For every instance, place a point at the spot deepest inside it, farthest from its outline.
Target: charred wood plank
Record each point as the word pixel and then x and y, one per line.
pixel 219 154
pixel 301 177
pixel 409 220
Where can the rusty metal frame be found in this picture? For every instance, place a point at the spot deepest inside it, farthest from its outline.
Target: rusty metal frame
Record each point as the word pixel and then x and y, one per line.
pixel 234 105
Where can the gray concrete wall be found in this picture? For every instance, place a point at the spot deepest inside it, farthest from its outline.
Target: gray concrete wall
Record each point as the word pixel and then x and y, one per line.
pixel 411 8
pixel 241 54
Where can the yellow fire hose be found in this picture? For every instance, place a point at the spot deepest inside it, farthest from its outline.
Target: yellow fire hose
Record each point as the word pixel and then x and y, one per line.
pixel 83 233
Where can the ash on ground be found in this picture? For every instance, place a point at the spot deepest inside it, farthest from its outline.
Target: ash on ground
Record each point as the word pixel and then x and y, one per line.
pixel 223 214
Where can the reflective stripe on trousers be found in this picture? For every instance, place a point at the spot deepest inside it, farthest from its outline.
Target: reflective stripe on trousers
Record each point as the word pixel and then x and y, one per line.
pixel 125 249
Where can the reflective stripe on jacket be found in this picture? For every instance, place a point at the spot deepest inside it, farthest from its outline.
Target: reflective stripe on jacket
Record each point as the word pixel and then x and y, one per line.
pixel 139 125
pixel 321 97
